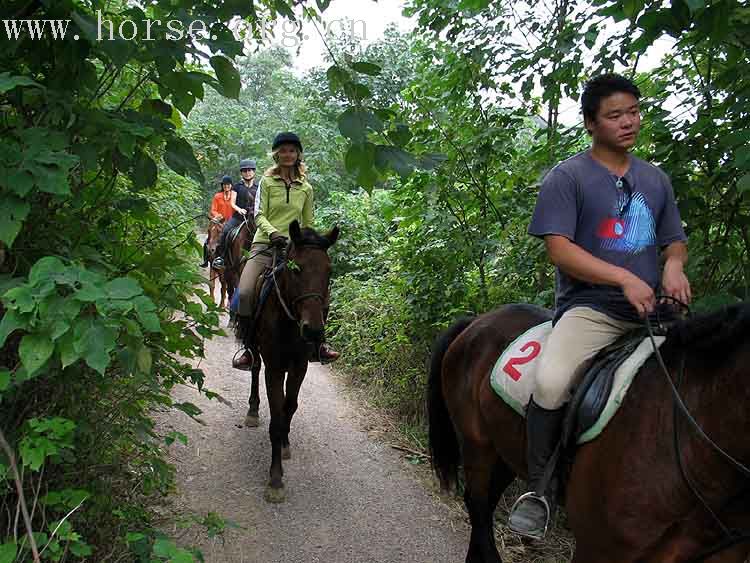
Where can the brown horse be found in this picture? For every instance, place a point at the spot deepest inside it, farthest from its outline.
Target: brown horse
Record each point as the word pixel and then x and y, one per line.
pixel 627 499
pixel 291 321
pixel 234 261
pixel 214 234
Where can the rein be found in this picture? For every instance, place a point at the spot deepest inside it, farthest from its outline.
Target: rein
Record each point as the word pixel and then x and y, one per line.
pixel 731 538
pixel 296 300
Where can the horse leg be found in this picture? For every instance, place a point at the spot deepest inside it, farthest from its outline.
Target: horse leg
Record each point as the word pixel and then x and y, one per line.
pixel 253 419
pixel 483 481
pixel 275 491
pixel 293 383
pixel 211 282
pixel 223 284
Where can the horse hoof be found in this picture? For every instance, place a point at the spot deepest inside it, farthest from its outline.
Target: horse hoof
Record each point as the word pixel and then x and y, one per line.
pixel 252 421
pixel 275 495
pixel 286 452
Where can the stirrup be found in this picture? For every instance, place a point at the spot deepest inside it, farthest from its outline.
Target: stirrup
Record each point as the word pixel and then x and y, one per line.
pixel 252 359
pixel 547 508
pixel 218 264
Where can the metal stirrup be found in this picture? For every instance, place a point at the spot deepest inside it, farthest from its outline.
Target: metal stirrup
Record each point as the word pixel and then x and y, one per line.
pixel 533 496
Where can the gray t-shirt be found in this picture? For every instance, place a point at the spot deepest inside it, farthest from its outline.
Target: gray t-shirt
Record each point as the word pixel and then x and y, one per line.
pixel 623 221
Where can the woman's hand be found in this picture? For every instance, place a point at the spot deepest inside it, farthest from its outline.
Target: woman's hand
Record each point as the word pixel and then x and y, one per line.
pixel 277 239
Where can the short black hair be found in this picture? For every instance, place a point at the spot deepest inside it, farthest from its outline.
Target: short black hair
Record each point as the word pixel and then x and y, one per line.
pixel 602 86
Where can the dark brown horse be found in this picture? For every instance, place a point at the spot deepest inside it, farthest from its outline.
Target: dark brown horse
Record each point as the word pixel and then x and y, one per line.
pixel 214 234
pixel 234 262
pixel 291 321
pixel 627 500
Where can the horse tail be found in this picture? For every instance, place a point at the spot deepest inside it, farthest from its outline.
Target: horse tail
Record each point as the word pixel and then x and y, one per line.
pixel 444 448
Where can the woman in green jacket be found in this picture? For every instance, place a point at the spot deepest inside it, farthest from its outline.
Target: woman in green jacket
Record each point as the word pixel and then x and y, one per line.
pixel 283 195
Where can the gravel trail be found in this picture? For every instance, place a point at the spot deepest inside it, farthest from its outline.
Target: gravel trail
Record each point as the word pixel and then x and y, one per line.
pixel 350 498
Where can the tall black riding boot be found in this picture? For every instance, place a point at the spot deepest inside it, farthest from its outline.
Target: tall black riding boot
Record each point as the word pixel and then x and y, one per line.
pixel 244 328
pixel 532 512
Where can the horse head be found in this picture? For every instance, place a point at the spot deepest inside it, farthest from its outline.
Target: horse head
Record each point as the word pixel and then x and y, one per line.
pixel 308 276
pixel 214 234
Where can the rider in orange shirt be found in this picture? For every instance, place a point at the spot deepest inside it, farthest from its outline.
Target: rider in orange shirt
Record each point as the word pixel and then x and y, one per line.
pixel 221 210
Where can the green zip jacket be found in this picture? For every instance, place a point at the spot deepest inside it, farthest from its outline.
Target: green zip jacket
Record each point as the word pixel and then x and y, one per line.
pixel 278 204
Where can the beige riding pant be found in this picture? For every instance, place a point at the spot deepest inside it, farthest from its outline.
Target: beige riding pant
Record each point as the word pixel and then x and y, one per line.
pixel 577 337
pixel 261 257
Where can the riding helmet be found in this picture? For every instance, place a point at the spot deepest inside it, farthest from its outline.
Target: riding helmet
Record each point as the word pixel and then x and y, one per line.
pixel 286 137
pixel 226 180
pixel 247 163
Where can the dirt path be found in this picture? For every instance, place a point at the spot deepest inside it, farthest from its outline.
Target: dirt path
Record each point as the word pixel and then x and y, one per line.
pixel 350 498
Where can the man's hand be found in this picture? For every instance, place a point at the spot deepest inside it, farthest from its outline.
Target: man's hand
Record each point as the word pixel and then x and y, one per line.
pixel 674 282
pixel 243 212
pixel 639 294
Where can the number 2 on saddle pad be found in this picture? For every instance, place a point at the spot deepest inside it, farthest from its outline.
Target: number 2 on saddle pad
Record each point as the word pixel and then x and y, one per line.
pixel 533 347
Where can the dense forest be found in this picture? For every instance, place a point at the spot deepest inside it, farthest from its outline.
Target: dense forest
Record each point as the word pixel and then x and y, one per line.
pixel 427 148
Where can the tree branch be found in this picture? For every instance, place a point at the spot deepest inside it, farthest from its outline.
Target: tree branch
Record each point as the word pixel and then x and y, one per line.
pixel 19 489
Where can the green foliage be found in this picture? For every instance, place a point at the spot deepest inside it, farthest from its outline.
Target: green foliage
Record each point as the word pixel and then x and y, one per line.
pixel 485 90
pixel 101 309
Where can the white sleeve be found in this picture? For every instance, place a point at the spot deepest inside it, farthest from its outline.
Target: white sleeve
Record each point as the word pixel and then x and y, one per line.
pixel 257 198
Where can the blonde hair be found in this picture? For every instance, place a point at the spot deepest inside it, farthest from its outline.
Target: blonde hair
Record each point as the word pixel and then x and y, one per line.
pixel 300 169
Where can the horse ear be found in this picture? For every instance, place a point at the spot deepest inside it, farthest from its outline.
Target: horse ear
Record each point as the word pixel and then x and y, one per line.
pixel 294 231
pixel 333 235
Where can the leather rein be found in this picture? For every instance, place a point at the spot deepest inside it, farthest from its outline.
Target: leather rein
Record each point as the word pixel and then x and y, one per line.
pixel 731 537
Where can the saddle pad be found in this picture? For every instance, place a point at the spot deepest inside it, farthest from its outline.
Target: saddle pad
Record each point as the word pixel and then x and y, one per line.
pixel 514 376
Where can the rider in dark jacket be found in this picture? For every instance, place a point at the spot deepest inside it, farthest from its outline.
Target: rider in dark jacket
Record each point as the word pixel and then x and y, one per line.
pixel 243 203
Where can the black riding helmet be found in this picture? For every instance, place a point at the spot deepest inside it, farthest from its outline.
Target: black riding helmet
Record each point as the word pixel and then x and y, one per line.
pixel 226 180
pixel 286 137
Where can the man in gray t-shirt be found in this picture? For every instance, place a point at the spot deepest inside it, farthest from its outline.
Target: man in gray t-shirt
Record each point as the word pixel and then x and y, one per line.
pixel 622 220
pixel 605 217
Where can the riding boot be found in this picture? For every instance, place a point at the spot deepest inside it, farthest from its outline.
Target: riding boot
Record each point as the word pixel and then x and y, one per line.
pixel 326 354
pixel 244 330
pixel 533 511
pixel 205 255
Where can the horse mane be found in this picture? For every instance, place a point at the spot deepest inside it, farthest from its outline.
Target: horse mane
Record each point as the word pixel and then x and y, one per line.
pixel 724 329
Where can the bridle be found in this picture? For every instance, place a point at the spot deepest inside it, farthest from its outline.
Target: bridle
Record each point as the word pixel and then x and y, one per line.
pixel 298 299
pixel 731 537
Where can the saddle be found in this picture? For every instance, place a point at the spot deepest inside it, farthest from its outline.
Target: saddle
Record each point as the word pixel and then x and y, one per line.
pixel 592 393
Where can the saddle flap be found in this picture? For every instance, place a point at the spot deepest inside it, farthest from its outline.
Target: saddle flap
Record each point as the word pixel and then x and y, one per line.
pixel 592 394
pixel 596 399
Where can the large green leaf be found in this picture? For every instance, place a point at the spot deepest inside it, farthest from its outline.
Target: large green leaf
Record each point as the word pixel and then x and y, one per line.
pixel 34 351
pixel 228 76
pixel 8 552
pixel 8 82
pixel 13 211
pixel 397 159
pixel 367 68
pixel 360 156
pixel 11 321
pixel 46 268
pixel 145 171
pixel 122 288
pixel 179 157
pixel 355 123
